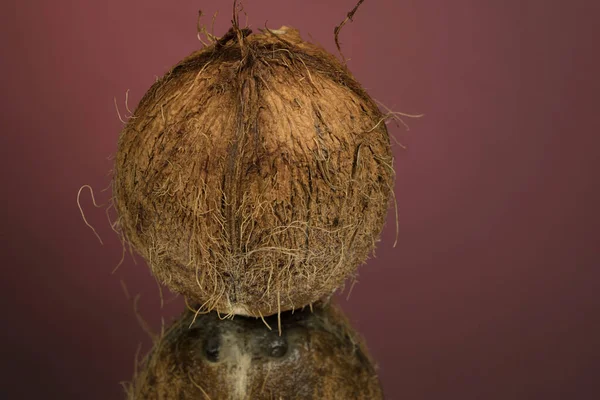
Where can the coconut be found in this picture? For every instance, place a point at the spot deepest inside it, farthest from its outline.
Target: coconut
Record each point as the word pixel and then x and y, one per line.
pixel 255 176
pixel 317 356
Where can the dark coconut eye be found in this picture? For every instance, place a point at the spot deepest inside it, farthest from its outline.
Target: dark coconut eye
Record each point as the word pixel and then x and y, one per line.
pixel 212 346
pixel 276 346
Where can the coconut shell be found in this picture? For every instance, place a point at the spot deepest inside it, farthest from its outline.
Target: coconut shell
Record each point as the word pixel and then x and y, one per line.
pixel 255 176
pixel 317 356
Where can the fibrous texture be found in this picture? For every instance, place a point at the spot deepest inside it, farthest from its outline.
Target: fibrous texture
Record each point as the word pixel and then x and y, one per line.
pixel 255 176
pixel 318 356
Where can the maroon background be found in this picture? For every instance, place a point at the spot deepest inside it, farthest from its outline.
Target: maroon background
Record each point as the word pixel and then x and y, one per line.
pixel 493 289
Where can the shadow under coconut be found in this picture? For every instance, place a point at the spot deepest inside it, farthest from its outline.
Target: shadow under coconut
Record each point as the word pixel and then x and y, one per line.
pixel 317 356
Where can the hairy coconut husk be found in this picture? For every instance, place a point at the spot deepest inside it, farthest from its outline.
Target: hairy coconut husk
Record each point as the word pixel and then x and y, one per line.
pixel 255 176
pixel 318 356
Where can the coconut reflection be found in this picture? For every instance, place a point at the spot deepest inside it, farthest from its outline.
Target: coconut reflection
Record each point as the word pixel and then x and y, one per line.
pixel 317 355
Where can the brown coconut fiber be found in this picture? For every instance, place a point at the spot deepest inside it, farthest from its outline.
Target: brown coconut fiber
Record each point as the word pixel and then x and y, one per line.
pixel 255 176
pixel 318 356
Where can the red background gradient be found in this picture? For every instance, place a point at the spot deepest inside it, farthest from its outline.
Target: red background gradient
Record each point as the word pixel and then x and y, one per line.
pixel 493 291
